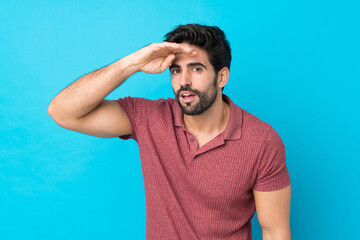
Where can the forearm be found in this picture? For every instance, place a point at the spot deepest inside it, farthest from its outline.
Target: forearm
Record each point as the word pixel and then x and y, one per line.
pixel 83 95
pixel 283 234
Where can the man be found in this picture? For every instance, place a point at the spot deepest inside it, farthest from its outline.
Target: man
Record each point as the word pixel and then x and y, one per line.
pixel 207 164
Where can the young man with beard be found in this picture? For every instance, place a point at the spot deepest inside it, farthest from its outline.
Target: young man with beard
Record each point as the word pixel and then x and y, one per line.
pixel 207 164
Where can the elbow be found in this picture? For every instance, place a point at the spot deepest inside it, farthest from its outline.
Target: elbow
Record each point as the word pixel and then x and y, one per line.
pixel 50 110
pixel 54 114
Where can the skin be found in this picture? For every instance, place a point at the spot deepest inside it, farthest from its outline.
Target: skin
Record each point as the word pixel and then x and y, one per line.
pixel 206 98
pixel 273 212
pixel 207 125
pixel 81 107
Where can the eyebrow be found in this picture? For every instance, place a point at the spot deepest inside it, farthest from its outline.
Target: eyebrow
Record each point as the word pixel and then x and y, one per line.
pixel 189 65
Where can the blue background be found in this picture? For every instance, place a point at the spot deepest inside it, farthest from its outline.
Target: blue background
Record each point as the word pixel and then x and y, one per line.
pixel 295 65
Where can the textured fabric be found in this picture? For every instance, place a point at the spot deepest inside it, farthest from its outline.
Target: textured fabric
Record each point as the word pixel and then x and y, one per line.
pixel 204 193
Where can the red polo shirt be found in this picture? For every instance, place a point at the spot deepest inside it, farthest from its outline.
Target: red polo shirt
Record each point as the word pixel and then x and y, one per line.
pixel 203 193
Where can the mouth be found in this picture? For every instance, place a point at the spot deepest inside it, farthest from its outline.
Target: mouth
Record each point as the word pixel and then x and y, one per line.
pixel 187 96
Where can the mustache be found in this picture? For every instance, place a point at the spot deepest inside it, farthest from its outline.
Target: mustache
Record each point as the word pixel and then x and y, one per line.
pixel 187 88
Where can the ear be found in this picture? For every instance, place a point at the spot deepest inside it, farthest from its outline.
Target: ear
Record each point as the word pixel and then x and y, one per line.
pixel 223 77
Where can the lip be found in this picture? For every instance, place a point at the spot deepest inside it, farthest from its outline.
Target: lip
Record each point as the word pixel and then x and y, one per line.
pixel 186 92
pixel 187 99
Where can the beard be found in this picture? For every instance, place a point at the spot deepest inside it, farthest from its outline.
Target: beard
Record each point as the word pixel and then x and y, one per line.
pixel 206 99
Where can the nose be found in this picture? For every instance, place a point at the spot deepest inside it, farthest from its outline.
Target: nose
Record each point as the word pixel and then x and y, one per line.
pixel 185 78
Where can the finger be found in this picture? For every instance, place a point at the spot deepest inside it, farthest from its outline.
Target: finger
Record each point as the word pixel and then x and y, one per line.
pixel 178 48
pixel 188 50
pixel 185 49
pixel 193 53
pixel 167 62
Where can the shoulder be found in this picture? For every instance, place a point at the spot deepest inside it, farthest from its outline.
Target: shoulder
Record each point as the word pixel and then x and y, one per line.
pixel 253 124
pixel 248 121
pixel 145 102
pixel 145 107
pixel 254 130
pixel 254 127
pixel 164 103
pixel 163 106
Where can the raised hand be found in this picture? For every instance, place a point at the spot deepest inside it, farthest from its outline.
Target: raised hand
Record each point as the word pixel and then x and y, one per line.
pixel 156 57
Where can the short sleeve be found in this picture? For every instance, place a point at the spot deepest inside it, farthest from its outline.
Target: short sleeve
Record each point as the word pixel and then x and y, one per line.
pixel 272 172
pixel 137 109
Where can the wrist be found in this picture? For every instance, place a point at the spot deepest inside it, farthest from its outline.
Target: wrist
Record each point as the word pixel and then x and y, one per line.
pixel 127 65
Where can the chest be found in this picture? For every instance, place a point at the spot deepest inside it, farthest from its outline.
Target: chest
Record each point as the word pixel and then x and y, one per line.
pixel 201 140
pixel 207 169
pixel 221 179
pixel 218 172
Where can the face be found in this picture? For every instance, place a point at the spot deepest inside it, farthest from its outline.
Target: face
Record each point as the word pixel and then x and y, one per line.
pixel 194 81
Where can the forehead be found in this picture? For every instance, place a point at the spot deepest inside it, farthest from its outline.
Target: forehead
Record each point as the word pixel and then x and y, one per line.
pixel 201 56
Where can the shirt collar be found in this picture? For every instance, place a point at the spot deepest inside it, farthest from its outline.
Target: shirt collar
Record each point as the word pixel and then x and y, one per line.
pixel 233 128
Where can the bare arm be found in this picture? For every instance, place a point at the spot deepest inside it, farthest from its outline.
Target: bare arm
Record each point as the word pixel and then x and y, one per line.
pixel 273 212
pixel 81 106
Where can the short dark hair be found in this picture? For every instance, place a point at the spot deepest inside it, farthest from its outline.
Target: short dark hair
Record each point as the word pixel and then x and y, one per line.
pixel 210 38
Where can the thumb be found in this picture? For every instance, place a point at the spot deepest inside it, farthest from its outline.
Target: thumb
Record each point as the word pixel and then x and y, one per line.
pixel 168 60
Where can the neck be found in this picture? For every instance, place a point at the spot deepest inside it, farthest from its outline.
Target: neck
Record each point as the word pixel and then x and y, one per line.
pixel 209 122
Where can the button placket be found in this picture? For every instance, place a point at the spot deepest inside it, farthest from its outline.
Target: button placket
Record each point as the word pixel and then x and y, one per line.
pixel 192 143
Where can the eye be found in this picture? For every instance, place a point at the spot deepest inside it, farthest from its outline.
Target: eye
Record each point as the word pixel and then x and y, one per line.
pixel 197 69
pixel 175 71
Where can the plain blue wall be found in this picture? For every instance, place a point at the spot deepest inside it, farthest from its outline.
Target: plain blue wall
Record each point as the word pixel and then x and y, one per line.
pixel 295 65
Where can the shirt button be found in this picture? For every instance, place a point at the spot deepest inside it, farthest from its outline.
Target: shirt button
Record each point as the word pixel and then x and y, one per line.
pixel 191 139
